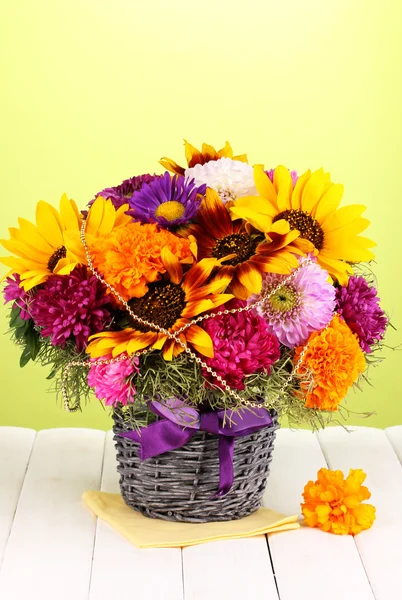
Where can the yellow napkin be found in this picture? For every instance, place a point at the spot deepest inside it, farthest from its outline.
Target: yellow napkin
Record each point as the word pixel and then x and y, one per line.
pixel 156 533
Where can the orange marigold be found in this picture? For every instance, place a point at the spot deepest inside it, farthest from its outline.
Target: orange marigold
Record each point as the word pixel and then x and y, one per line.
pixel 333 503
pixel 129 257
pixel 334 360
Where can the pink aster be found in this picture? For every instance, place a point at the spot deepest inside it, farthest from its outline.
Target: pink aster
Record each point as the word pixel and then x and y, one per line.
pixel 302 305
pixel 71 307
pixel 112 382
pixel 358 304
pixel 13 291
pixel 243 345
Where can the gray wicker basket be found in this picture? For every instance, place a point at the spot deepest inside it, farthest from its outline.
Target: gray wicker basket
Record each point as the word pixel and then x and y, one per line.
pixel 179 485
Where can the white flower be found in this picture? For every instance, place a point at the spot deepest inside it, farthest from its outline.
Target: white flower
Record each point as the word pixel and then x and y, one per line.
pixel 230 178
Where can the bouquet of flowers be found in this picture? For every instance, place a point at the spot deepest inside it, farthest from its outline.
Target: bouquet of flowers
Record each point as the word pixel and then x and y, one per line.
pixel 213 291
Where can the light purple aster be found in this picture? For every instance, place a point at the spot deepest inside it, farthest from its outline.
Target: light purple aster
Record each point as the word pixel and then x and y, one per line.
pixel 14 291
pixel 293 175
pixel 120 194
pixel 167 201
pixel 110 381
pixel 71 307
pixel 358 304
pixel 302 305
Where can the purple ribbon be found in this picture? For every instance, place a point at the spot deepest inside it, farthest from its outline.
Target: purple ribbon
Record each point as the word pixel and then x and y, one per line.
pixel 178 423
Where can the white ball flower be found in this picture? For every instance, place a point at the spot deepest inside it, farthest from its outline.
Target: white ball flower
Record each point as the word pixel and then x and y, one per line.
pixel 230 178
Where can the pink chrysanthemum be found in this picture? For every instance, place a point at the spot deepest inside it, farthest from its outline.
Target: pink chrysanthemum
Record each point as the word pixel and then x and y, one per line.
pixel 302 305
pixel 358 304
pixel 13 291
pixel 243 345
pixel 111 381
pixel 71 307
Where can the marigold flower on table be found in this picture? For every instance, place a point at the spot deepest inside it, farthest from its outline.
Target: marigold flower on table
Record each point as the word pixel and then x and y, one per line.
pixel 333 359
pixel 245 252
pixel 170 304
pixel 40 250
pixel 334 504
pixel 200 157
pixel 310 207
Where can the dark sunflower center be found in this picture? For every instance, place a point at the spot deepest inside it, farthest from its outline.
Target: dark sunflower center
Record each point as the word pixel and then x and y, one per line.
pixel 162 305
pixel 241 244
pixel 56 256
pixel 301 220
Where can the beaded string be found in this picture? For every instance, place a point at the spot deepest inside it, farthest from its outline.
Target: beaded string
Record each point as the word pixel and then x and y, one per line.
pixel 176 338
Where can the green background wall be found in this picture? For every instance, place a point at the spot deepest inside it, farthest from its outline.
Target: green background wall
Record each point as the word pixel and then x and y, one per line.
pixel 95 91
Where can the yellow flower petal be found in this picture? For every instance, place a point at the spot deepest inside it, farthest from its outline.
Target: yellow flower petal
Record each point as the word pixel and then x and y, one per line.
pixel 296 201
pixel 284 187
pixel 264 185
pixel 49 224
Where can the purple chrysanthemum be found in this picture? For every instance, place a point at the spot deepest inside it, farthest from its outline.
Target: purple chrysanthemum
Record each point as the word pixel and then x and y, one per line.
pixel 293 175
pixel 167 201
pixel 358 304
pixel 243 345
pixel 110 381
pixel 120 194
pixel 71 307
pixel 14 291
pixel 302 305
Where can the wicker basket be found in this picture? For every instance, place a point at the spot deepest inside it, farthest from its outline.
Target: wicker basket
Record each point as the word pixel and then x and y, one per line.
pixel 179 485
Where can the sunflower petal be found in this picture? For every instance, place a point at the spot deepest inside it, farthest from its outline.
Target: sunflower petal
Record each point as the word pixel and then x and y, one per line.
pixel 296 200
pixel 49 224
pixel 32 236
pixel 200 339
pixel 264 185
pixel 95 215
pixel 250 276
pixel 198 274
pixel 225 152
pixel 172 265
pixel 343 216
pixel 193 156
pixel 328 203
pixel 284 187
pixel 197 307
pixel 256 219
pixel 171 165
pixel 68 214
pixel 313 190
pixel 108 219
pixel 213 216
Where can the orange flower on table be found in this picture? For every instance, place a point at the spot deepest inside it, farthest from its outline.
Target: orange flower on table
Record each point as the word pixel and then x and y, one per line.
pixel 311 207
pixel 169 304
pixel 334 360
pixel 334 504
pixel 246 252
pixel 200 157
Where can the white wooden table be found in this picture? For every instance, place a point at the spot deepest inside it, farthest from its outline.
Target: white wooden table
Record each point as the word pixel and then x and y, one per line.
pixel 52 547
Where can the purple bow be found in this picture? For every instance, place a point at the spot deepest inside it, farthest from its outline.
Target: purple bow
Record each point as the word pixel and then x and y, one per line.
pixel 178 423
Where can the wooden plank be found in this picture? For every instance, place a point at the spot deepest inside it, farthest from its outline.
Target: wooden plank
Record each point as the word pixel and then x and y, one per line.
pixel 379 547
pixel 235 569
pixel 49 552
pixel 15 449
pixel 309 564
pixel 120 570
pixel 394 434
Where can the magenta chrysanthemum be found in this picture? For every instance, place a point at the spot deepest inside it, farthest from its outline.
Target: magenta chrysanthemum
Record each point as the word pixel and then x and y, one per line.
pixel 242 345
pixel 302 305
pixel 120 194
pixel 293 175
pixel 13 291
pixel 71 307
pixel 110 381
pixel 358 304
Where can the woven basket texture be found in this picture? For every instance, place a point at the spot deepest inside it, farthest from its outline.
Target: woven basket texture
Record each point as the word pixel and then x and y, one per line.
pixel 179 485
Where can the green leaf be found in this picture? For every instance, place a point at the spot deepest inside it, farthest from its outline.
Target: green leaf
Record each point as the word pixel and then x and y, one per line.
pixel 15 319
pixel 25 357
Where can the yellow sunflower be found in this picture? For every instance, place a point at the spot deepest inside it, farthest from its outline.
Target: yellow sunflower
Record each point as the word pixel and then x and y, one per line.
pixel 195 157
pixel 310 207
pixel 245 251
pixel 40 249
pixel 170 303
